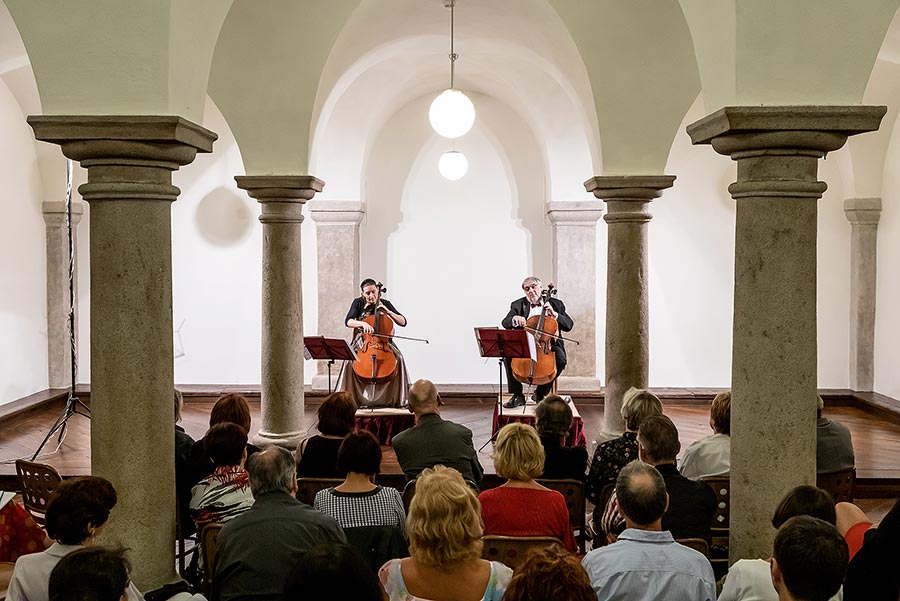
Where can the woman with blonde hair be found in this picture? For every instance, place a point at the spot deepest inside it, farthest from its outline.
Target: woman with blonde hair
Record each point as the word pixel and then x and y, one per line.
pixel 445 543
pixel 520 506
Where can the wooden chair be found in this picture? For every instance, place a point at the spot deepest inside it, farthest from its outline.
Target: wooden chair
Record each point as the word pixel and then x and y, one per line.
pixel 209 545
pixel 186 544
pixel 697 544
pixel 409 491
pixel 308 487
pixel 573 492
pixel 839 484
pixel 38 481
pixel 718 549
pixel 512 550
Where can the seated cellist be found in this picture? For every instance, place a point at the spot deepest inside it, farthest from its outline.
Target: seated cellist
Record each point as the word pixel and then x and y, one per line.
pixel 385 392
pixel 519 311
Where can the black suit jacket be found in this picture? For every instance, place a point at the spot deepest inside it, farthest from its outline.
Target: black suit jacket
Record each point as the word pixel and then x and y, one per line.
pixel 435 441
pixel 522 308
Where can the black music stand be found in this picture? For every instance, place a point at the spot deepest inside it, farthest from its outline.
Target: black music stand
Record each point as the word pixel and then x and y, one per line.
pixel 503 344
pixel 321 348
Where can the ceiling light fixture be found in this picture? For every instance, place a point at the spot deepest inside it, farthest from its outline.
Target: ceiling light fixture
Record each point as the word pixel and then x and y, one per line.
pixel 453 165
pixel 452 114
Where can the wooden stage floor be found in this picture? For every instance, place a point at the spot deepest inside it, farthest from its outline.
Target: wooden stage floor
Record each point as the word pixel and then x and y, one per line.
pixel 875 439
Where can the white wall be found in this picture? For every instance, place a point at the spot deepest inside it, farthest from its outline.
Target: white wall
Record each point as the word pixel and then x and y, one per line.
pixel 887 316
pixel 23 283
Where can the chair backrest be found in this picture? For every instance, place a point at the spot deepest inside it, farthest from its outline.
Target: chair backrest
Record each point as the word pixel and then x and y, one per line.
pixel 573 492
pixel 512 550
pixel 697 544
pixel 721 486
pixel 39 482
pixel 308 487
pixel 409 491
pixel 209 546
pixel 839 484
pixel 378 544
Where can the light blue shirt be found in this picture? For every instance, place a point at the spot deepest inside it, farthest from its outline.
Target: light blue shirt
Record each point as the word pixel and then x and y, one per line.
pixel 645 565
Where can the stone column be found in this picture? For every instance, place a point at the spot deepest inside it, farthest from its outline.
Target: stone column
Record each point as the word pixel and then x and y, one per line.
pixel 773 437
pixel 282 198
pixel 863 215
pixel 337 258
pixel 627 313
pixel 130 160
pixel 59 348
pixel 575 274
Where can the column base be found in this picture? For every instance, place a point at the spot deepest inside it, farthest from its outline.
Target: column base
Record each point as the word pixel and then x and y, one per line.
pixel 288 440
pixel 579 384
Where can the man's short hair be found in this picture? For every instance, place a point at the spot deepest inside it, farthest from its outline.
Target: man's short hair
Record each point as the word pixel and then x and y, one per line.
pixel 90 574
pixel 638 405
pixel 337 414
pixel 720 413
pixel 554 416
pixel 272 470
pixel 820 405
pixel 659 438
pixel 530 279
pixel 805 500
pixel 423 394
pixel 812 557
pixel 518 452
pixel 641 493
pixel 360 453
pixel 225 444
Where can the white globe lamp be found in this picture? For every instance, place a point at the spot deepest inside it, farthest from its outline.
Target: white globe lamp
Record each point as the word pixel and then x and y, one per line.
pixel 453 165
pixel 452 114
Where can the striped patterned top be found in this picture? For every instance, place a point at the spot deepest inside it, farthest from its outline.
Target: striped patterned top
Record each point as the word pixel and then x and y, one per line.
pixel 379 507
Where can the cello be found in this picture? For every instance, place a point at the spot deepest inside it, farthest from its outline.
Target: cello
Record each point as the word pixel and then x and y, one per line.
pixel 543 328
pixel 376 360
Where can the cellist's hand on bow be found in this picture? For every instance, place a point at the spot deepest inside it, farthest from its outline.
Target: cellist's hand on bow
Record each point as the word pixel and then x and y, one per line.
pixel 518 321
pixel 366 328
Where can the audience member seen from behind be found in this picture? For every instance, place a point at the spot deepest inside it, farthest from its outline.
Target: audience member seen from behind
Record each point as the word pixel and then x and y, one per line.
pixel 612 455
pixel 711 456
pixel 834 449
pixel 332 571
pixel 554 422
pixel 317 455
pixel 75 516
pixel 646 563
pixel 810 560
pixel 226 493
pixel 92 574
pixel 184 473
pixel 872 574
pixel 230 408
pixel 445 544
pixel 521 506
pixel 434 440
pixel 258 548
pixel 750 579
pixel 550 574
pixel 692 504
pixel 358 501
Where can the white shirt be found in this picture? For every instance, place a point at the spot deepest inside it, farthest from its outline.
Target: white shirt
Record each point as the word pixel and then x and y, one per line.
pixel 31 576
pixel 751 580
pixel 710 456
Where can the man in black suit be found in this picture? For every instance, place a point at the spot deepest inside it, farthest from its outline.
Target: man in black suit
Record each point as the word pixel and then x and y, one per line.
pixel 434 440
pixel 519 312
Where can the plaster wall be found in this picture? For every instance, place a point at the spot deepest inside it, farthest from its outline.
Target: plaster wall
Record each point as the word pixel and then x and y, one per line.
pixel 23 284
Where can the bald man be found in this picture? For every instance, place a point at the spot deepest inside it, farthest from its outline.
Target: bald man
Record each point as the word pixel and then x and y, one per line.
pixel 434 440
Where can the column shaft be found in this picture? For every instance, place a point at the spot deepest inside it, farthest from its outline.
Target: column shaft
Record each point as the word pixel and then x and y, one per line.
pixel 863 214
pixel 59 348
pixel 337 235
pixel 773 438
pixel 627 296
pixel 575 274
pixel 130 162
pixel 282 198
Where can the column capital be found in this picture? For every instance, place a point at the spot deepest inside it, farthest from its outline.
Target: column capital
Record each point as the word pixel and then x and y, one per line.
pixel 862 211
pixel 55 212
pixel 281 196
pixel 626 196
pixel 111 147
pixel 804 130
pixel 337 212
pixel 579 212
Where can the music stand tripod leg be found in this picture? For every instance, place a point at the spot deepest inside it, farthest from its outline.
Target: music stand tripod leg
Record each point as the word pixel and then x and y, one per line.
pixel 499 405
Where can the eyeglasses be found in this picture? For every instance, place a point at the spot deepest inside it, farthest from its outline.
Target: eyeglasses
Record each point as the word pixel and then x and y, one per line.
pixel 532 285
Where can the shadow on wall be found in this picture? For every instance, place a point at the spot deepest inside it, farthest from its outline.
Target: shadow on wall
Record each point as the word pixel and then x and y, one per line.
pixel 223 217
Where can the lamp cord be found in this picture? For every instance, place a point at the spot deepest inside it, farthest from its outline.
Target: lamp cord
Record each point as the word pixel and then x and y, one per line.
pixel 453 55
